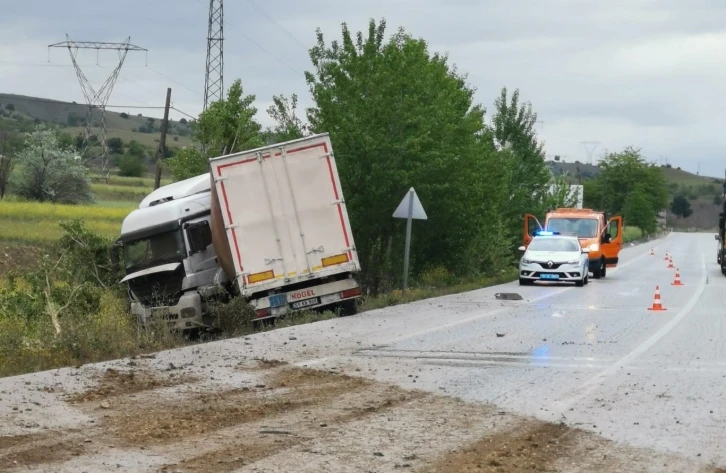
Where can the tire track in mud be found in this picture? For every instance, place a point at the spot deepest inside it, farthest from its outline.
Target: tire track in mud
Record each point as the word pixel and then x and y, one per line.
pixel 305 420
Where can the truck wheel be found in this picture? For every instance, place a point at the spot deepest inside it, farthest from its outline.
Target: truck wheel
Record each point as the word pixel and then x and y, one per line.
pixel 603 269
pixel 348 307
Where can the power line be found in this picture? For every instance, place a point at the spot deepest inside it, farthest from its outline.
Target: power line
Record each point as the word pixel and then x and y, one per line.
pixel 259 46
pixel 183 113
pixel 195 92
pixel 285 30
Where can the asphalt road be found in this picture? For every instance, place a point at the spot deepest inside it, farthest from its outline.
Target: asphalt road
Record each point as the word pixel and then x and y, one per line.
pixel 592 357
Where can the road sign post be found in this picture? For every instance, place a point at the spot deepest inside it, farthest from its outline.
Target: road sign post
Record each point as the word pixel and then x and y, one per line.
pixel 410 208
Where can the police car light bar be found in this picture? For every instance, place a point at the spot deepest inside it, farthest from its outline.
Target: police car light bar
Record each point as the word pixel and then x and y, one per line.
pixel 545 233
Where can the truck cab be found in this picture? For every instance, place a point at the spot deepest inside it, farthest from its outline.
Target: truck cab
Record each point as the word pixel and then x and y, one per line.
pixel 168 256
pixel 602 237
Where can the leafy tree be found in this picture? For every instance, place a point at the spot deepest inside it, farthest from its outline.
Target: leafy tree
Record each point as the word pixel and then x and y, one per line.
pixel 401 117
pixel 188 162
pixel 228 125
pixel 639 211
pixel 10 107
pixel 560 194
pixel 681 207
pixel 183 121
pixel 288 126
pixel 135 148
pixel 124 115
pixel 115 145
pixel 50 172
pixel 620 174
pixel 513 130
pixel 10 144
pixel 131 166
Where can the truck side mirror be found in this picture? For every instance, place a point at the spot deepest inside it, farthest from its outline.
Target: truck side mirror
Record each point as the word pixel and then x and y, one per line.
pixel 200 236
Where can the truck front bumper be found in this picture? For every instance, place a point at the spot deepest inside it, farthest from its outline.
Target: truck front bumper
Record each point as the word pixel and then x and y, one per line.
pixel 184 315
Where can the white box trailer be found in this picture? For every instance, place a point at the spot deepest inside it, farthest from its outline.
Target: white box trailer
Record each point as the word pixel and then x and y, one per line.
pixel 288 241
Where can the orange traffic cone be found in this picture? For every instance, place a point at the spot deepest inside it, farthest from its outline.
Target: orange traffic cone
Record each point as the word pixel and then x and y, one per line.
pixel 677 280
pixel 656 301
pixel 670 264
pixel 665 258
pixel 651 252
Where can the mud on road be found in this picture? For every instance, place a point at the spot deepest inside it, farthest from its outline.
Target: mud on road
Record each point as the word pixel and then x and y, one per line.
pixel 290 419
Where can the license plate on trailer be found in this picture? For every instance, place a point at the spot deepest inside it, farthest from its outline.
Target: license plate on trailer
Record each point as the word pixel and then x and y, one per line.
pixel 278 300
pixel 306 303
pixel 549 276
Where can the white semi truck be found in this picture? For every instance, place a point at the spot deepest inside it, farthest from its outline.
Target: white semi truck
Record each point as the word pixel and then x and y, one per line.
pixel 269 224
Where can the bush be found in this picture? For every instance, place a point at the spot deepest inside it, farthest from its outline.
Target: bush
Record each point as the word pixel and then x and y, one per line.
pixel 124 115
pixel 130 166
pixel 436 277
pixel 71 310
pixel 116 145
pixel 233 318
pixel 49 172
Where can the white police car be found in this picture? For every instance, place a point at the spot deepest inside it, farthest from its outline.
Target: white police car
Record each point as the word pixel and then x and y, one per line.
pixel 552 256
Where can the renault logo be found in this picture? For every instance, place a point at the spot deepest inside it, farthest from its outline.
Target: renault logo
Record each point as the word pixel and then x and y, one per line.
pixel 549 264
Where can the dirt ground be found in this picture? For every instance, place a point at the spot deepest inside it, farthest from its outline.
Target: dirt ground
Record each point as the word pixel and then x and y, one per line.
pixel 299 419
pixel 14 258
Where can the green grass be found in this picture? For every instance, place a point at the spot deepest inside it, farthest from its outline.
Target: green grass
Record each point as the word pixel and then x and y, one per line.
pixel 681 177
pixel 420 292
pixel 33 222
pixel 631 234
pixel 37 223
pixel 147 139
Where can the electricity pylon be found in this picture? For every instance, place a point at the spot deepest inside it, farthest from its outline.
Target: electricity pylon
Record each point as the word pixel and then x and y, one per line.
pixel 590 149
pixel 97 100
pixel 214 75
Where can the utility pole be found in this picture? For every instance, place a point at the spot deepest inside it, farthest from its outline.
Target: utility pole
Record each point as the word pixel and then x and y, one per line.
pixel 162 141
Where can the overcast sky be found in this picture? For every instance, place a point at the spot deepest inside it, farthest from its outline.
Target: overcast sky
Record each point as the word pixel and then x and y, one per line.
pixel 648 73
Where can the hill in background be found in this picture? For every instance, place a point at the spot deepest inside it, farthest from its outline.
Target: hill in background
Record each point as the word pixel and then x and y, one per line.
pixel 703 192
pixel 21 113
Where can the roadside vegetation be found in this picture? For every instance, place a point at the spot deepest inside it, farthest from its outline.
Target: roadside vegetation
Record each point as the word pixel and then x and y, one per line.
pixel 398 115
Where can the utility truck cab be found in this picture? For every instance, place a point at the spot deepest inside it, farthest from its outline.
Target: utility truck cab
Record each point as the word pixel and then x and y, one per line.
pixel 602 237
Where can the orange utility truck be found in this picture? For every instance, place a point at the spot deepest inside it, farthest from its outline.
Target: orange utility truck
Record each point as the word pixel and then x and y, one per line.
pixel 603 237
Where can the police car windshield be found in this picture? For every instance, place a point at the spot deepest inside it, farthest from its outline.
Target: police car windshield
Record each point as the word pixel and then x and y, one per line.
pixel 583 227
pixel 554 244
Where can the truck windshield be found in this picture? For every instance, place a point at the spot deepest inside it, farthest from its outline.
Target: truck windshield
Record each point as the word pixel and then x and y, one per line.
pixel 583 227
pixel 167 247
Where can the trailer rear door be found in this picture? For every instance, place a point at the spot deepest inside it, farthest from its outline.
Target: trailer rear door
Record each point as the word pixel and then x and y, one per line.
pixel 284 214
